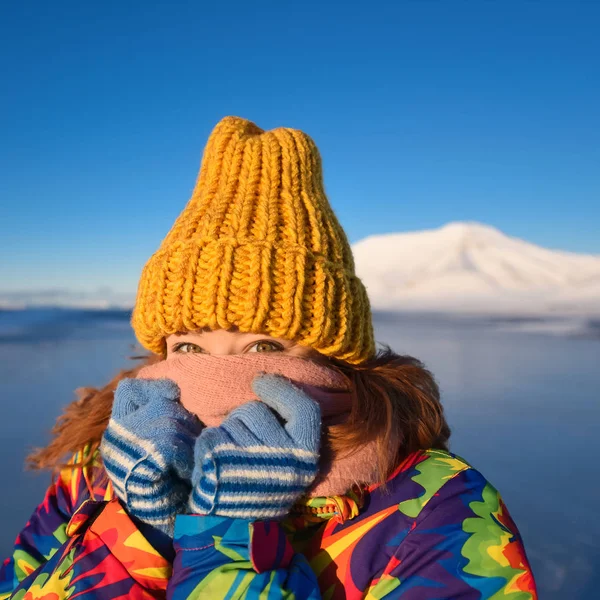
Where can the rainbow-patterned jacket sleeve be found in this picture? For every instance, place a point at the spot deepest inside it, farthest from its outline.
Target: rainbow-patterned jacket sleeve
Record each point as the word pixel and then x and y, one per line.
pixel 45 532
pixel 221 558
pixel 438 530
pixel 41 537
pixel 462 543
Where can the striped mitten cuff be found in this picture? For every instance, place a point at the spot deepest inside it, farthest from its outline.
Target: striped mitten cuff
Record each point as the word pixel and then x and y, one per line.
pixel 147 450
pixel 257 463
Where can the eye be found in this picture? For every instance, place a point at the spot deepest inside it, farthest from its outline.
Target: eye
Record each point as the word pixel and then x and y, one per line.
pixel 265 346
pixel 187 347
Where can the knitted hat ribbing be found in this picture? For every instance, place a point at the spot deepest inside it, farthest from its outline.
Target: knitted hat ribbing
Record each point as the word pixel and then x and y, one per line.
pixel 259 248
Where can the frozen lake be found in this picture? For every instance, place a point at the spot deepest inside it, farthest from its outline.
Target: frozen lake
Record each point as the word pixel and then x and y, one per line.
pixel 524 408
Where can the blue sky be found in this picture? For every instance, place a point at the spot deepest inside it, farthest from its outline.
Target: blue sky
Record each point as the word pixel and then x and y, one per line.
pixel 425 112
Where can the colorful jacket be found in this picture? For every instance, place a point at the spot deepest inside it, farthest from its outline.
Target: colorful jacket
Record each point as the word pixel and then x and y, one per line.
pixel 437 529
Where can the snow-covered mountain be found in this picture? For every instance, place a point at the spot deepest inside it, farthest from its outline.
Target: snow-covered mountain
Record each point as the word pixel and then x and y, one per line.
pixel 474 267
pixel 461 267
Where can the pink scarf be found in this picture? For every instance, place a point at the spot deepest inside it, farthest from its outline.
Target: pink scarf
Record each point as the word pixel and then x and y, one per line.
pixel 212 386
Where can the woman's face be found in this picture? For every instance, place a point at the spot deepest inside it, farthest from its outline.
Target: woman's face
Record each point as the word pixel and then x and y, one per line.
pixel 221 342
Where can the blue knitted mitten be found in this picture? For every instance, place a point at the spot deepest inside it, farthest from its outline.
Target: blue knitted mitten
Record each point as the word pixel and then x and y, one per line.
pixel 262 457
pixel 147 450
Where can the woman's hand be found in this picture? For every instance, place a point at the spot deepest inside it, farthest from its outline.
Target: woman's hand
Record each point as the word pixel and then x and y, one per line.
pixel 263 456
pixel 147 450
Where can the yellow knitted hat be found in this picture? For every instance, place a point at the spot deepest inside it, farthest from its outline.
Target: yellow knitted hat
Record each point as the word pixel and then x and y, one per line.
pixel 259 248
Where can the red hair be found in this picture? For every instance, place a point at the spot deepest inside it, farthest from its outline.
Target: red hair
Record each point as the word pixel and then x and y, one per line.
pixel 395 401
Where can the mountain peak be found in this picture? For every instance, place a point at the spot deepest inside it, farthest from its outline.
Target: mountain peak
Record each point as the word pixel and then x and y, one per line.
pixel 470 265
pixel 472 232
pixel 469 227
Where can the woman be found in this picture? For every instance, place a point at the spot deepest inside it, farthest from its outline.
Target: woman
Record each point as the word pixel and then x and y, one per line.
pixel 265 449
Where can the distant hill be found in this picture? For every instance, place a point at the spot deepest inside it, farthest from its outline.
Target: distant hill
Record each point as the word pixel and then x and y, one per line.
pixel 475 268
pixel 101 299
pixel 461 267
